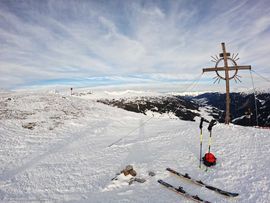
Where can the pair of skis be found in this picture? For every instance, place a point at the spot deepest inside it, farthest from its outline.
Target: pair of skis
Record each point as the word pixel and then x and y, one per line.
pixel 181 191
pixel 195 198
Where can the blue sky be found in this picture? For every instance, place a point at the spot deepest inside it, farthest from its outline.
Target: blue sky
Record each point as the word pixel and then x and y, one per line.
pixel 122 42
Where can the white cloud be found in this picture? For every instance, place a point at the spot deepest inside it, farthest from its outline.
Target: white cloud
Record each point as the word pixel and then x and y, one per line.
pixel 169 41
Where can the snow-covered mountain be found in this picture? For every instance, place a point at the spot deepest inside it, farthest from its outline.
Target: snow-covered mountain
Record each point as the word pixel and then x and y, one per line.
pixel 178 106
pixel 187 107
pixel 243 107
pixel 61 148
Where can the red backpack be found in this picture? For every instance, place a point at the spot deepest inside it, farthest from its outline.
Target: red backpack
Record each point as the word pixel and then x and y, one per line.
pixel 209 159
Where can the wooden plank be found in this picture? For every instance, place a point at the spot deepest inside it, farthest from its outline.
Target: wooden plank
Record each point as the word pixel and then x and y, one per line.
pixel 223 68
pixel 213 69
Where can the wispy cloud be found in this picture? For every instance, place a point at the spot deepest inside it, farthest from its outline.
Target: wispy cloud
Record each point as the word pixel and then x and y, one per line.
pixel 58 41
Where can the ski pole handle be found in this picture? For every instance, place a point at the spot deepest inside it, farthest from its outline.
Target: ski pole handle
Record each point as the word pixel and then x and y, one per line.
pixel 211 124
pixel 201 123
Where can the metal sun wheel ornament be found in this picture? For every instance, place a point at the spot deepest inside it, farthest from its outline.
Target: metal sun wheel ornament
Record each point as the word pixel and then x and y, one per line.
pixel 233 60
pixel 229 65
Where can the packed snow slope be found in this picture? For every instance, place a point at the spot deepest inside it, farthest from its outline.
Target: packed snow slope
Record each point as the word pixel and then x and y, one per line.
pixel 54 148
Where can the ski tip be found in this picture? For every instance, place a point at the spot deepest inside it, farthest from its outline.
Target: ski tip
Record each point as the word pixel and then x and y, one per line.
pixel 229 194
pixel 234 194
pixel 164 183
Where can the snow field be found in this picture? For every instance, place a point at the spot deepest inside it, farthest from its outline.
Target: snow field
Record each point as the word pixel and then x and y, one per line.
pixel 66 158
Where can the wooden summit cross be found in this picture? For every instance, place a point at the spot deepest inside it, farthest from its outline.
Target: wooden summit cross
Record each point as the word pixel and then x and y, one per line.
pixel 225 57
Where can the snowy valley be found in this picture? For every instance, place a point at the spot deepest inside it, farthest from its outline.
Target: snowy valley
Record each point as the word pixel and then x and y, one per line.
pixel 61 148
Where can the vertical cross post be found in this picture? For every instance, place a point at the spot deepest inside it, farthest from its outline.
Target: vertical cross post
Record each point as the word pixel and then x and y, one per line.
pixel 227 117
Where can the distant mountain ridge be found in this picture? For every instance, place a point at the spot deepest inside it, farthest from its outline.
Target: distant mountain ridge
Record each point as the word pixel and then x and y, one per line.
pixel 243 107
pixel 179 106
pixel 243 110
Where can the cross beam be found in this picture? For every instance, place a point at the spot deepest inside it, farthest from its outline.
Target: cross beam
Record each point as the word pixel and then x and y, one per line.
pixel 224 56
pixel 223 68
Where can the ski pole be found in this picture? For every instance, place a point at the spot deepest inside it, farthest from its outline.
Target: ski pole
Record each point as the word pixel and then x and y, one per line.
pixel 201 138
pixel 201 126
pixel 211 124
pixel 210 140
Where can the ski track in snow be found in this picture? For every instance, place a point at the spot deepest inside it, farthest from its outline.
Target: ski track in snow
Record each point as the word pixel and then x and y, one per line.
pixel 66 157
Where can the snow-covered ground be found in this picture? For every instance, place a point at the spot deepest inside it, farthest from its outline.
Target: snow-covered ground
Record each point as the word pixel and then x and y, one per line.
pixel 65 157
